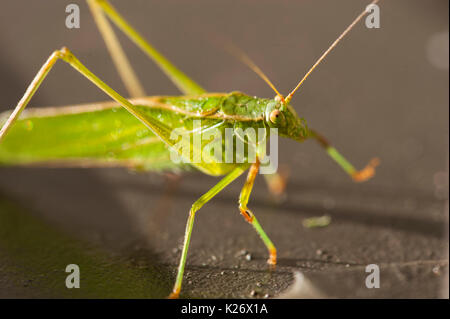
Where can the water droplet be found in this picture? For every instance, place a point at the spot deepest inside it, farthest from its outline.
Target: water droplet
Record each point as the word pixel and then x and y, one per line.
pixel 29 125
pixel 141 133
pixel 114 135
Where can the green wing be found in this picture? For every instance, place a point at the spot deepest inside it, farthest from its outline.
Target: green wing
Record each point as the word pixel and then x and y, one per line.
pixel 84 136
pixel 105 134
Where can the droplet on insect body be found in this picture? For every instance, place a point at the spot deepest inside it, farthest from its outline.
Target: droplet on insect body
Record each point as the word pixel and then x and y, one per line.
pixel 29 125
pixel 114 135
pixel 140 133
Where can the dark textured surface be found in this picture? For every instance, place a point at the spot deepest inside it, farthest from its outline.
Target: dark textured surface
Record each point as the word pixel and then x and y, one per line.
pixel 379 94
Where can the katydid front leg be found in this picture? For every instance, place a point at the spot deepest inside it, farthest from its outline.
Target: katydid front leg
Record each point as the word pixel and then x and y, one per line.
pixel 250 217
pixel 358 176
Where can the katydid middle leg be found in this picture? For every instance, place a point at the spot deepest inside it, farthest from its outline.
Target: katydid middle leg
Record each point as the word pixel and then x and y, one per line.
pixel 190 222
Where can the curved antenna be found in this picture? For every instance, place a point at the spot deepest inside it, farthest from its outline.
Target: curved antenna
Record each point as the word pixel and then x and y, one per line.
pixel 332 46
pixel 244 58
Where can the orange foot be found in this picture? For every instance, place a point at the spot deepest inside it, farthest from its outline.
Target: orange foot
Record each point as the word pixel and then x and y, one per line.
pixel 174 295
pixel 367 172
pixel 272 261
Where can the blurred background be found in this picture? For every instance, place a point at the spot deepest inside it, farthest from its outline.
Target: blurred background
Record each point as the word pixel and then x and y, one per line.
pixel 382 92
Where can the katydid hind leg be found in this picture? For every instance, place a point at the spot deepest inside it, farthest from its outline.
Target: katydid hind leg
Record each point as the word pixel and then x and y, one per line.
pixel 184 83
pixel 133 85
pixel 158 128
pixel 120 60
pixel 32 88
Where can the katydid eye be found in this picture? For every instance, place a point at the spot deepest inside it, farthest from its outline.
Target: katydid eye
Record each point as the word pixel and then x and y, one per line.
pixel 275 116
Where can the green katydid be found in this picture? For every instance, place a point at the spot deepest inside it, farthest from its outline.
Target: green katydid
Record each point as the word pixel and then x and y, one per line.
pixel 104 134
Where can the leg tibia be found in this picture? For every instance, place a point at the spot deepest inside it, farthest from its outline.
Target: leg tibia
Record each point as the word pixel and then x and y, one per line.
pixel 121 62
pixel 250 217
pixel 358 176
pixel 190 223
pixel 181 80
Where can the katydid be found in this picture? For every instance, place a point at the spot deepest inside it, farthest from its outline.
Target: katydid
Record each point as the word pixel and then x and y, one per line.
pixel 136 132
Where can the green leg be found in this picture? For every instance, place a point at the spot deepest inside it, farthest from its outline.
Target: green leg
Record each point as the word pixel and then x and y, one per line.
pixel 358 176
pixel 181 80
pixel 32 88
pixel 190 223
pixel 121 62
pixel 64 54
pixel 250 217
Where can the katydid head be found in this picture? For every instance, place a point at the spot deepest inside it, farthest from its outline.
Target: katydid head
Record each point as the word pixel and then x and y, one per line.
pixel 281 115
